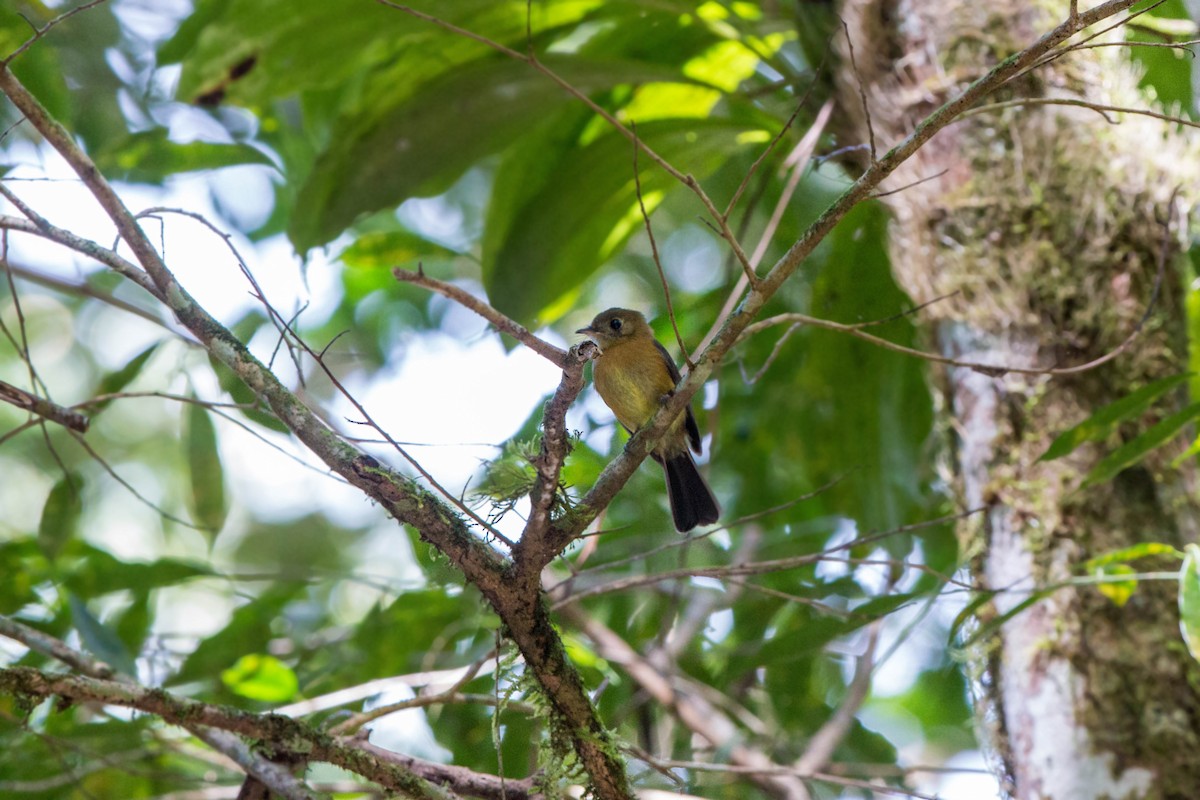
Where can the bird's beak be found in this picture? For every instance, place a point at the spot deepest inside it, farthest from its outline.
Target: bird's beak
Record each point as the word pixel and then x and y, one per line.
pixel 590 333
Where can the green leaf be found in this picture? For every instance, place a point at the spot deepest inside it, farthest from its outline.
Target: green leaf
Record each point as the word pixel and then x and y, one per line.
pixel 221 42
pixel 151 157
pixel 248 629
pixel 98 639
pixel 1137 448
pixel 115 381
pixel 60 514
pixel 1102 423
pixel 1189 600
pixel 99 572
pixel 205 471
pixel 1118 591
pixel 1125 554
pixel 992 625
pixel 586 208
pixel 133 625
pixel 968 612
pixel 389 249
pixel 261 677
pixel 23 565
pixel 413 144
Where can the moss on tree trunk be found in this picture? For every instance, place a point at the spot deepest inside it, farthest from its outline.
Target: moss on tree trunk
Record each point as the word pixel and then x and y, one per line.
pixel 1044 222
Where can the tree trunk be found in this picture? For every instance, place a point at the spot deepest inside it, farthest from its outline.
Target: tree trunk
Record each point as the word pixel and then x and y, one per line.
pixel 1045 224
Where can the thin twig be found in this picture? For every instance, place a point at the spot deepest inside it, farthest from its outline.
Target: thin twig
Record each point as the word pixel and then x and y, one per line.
pixel 129 487
pixel 662 275
pixel 272 314
pixel 86 290
pixel 824 777
pixel 1099 108
pixel 911 184
pixel 798 161
pixel 38 33
pixel 696 713
pixel 862 92
pixel 791 120
pixel 502 322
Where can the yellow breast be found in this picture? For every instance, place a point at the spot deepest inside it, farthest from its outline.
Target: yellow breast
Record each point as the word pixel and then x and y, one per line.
pixel 632 379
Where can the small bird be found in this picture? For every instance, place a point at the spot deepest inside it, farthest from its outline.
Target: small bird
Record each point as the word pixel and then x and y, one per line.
pixel 633 375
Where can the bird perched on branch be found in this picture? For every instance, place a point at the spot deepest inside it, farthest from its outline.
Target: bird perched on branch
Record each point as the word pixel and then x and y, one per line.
pixel 634 375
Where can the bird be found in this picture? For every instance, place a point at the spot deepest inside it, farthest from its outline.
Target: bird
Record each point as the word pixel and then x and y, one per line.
pixel 634 374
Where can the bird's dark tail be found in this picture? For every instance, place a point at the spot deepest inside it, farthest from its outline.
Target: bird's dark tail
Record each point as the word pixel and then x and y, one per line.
pixel 692 502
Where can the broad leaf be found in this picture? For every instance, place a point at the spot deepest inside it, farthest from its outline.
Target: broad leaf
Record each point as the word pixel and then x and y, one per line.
pixel 115 381
pixel 417 144
pixel 1137 448
pixel 1121 589
pixel 1189 600
pixel 206 474
pixel 60 515
pixel 151 157
pixel 98 639
pixel 261 677
pixel 585 208
pixel 1100 425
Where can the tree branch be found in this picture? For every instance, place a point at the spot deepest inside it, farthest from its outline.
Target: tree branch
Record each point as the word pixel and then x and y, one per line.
pixel 410 776
pixel 532 552
pixel 43 408
pixel 517 602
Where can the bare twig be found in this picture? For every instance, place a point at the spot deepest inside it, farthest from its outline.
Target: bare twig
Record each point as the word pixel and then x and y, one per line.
pixel 991 370
pixel 559 593
pixel 502 323
pixel 526 618
pixel 272 314
pixel 38 33
pixel 275 778
pixel 85 290
pixel 279 780
pixel 129 487
pixel 797 161
pixel 862 92
pixel 823 777
pixel 87 247
pixel 1100 108
pixel 750 380
pixel 737 194
pixel 909 185
pixel 662 276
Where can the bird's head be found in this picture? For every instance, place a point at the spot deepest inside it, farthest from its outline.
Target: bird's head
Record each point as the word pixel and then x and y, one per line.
pixel 614 326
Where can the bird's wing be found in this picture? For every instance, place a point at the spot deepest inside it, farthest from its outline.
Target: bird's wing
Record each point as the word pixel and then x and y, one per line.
pixel 689 422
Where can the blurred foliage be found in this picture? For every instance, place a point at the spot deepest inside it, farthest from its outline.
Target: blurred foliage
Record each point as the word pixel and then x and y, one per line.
pixel 390 141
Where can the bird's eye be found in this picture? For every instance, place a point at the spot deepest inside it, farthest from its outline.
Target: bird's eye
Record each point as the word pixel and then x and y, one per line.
pixel 615 323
